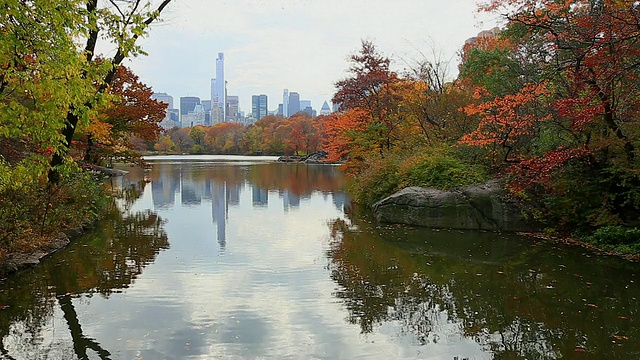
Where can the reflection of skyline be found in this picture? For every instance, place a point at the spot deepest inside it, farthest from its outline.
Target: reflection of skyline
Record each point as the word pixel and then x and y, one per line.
pixel 339 199
pixel 289 200
pixel 222 186
pixel 259 196
pixel 220 210
pixel 192 190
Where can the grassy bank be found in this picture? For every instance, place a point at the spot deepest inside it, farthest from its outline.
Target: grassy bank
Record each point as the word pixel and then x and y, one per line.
pixel 32 213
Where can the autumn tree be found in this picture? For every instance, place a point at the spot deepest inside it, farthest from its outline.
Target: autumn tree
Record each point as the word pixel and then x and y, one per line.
pixel 129 112
pixel 272 141
pixel 223 138
pixel 342 133
pixel 120 23
pixel 164 144
pixel 585 54
pixel 369 88
pixel 509 124
pixel 197 134
pixel 39 67
pixel 250 142
pixel 180 137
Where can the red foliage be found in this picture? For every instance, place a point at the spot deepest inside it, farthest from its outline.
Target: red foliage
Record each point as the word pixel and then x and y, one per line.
pixel 539 170
pixel 134 112
pixel 506 120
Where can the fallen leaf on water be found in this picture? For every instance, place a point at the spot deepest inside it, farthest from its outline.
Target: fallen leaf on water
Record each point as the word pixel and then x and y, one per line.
pixel 4 307
pixel 579 349
pixel 623 318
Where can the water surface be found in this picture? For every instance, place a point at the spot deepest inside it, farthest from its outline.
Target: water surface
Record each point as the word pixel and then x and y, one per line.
pixel 238 258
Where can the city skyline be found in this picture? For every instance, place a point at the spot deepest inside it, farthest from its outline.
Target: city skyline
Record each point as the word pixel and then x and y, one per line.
pixel 301 45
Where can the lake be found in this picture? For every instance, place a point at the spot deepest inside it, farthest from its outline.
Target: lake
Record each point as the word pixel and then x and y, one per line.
pixel 226 257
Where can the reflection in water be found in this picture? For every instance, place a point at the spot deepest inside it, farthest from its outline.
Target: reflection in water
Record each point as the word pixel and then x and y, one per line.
pixel 518 300
pixel 222 185
pixel 101 262
pixel 300 279
pixel 81 343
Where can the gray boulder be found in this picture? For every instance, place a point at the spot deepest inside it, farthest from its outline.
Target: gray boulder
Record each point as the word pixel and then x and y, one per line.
pixel 476 207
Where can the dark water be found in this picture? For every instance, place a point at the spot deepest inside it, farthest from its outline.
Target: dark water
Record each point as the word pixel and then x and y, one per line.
pixel 253 260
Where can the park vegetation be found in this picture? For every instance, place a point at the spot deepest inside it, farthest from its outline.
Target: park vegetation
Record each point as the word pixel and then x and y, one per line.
pixel 62 103
pixel 549 103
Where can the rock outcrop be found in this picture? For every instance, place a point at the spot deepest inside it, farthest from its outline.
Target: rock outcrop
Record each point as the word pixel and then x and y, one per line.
pixel 318 157
pixel 476 207
pixel 19 261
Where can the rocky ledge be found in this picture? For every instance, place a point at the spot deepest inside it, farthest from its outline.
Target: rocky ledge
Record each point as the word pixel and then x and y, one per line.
pixel 19 261
pixel 477 207
pixel 318 157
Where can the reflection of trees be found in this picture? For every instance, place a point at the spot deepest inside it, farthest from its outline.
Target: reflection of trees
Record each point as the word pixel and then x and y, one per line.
pixel 100 262
pixel 299 179
pixel 80 342
pixel 517 301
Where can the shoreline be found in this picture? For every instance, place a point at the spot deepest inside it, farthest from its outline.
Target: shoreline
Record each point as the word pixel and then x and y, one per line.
pixel 583 244
pixel 16 262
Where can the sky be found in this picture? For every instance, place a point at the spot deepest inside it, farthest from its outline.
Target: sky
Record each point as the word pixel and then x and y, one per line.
pixel 300 45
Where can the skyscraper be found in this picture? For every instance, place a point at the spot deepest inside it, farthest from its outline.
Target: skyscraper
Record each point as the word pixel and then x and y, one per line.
pixel 167 122
pixel 188 104
pixel 285 103
pixel 294 103
pixel 325 109
pixel 259 106
pixel 218 93
pixel 304 104
pixel 163 97
pixel 206 104
pixel 233 108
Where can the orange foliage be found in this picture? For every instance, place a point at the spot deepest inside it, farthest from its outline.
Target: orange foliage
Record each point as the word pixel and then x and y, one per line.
pixel 506 118
pixel 338 129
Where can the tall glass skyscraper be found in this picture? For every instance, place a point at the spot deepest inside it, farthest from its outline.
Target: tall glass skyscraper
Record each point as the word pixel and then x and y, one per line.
pixel 218 93
pixel 259 106
pixel 285 103
pixel 294 103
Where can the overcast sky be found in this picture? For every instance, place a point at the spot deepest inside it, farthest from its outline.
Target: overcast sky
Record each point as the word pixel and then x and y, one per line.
pixel 301 45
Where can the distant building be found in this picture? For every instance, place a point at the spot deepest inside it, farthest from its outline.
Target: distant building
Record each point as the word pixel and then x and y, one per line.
pixel 188 103
pixel 175 117
pixel 249 120
pixel 325 110
pixel 163 97
pixel 198 116
pixel 294 103
pixel 309 110
pixel 259 106
pixel 206 104
pixel 305 104
pixel 219 92
pixel 285 103
pixel 167 122
pixel 482 35
pixel 233 108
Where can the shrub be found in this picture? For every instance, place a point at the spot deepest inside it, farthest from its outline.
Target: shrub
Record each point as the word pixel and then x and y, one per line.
pixel 615 235
pixel 32 213
pixel 440 169
pixel 428 167
pixel 376 180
